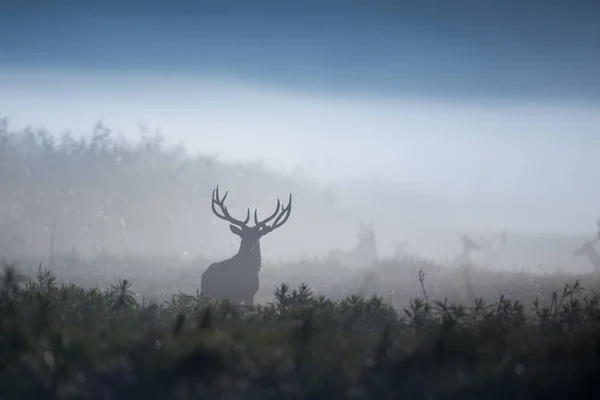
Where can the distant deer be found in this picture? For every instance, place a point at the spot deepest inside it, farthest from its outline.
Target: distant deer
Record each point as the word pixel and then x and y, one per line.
pixel 503 237
pixel 362 255
pixel 400 249
pixel 468 246
pixel 589 251
pixel 486 246
pixel 237 279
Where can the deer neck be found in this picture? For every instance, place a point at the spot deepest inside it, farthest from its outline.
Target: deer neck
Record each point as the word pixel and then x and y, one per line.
pixel 364 246
pixel 250 251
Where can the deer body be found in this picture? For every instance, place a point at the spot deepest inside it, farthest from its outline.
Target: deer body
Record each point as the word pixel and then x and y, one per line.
pixel 362 255
pixel 488 252
pixel 503 238
pixel 589 251
pixel 468 246
pixel 237 278
pixel 400 251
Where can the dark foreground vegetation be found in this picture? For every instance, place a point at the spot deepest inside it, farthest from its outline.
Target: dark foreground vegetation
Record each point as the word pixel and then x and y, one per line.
pixel 63 341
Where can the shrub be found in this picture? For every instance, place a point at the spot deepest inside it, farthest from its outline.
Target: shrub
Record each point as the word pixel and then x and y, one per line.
pixel 66 341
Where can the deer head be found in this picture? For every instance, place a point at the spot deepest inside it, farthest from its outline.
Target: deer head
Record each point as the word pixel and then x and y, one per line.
pixel 469 244
pixel 401 247
pixel 250 235
pixel 366 234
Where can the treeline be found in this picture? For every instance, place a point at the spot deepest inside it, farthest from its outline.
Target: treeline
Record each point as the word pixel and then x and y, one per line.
pixel 100 190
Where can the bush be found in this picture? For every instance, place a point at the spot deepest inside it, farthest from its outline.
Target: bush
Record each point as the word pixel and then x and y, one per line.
pixel 69 342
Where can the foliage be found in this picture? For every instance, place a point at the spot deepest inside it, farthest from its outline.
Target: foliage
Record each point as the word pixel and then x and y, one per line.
pixel 65 341
pixel 102 190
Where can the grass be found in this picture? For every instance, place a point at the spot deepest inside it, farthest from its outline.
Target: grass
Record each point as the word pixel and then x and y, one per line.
pixel 64 341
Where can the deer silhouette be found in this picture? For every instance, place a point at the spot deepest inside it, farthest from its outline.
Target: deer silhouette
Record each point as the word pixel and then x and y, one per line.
pixel 503 238
pixel 589 251
pixel 468 246
pixel 362 255
pixel 237 278
pixel 487 249
pixel 400 249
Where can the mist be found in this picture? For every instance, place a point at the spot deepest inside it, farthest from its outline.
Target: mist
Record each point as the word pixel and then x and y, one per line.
pixel 419 170
pixel 482 157
pixel 425 128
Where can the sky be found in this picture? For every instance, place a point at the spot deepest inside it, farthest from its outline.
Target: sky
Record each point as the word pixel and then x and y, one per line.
pixel 479 101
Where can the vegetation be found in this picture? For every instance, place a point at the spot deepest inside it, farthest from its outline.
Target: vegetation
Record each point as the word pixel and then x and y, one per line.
pixel 101 190
pixel 70 342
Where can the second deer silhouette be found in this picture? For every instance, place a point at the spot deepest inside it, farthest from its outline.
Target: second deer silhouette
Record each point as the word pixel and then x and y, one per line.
pixel 589 251
pixel 487 248
pixel 362 255
pixel 401 249
pixel 503 239
pixel 237 279
pixel 468 245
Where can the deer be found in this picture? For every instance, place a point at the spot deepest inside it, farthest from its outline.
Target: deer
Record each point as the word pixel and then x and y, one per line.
pixel 589 251
pixel 400 249
pixel 487 247
pixel 237 278
pixel 468 246
pixel 503 239
pixel 363 254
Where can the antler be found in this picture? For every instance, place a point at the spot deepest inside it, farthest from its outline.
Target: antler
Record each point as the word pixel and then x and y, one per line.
pixel 282 216
pixel 226 216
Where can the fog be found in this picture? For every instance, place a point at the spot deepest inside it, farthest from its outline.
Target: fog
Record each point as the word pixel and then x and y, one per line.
pixel 486 143
pixel 424 171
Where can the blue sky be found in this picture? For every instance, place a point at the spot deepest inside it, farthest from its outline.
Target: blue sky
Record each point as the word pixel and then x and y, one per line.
pixel 481 100
pixel 508 49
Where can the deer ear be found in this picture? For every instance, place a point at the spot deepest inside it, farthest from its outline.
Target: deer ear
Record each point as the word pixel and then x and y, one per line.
pixel 235 230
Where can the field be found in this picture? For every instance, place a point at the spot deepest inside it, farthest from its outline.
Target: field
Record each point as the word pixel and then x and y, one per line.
pixel 62 340
pixel 82 319
pixel 397 281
